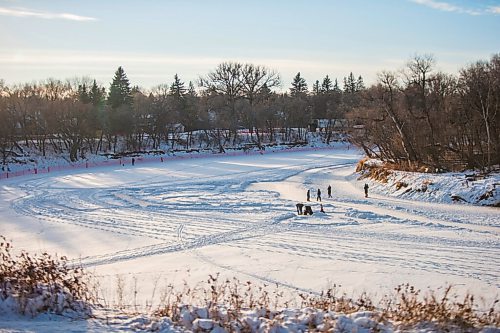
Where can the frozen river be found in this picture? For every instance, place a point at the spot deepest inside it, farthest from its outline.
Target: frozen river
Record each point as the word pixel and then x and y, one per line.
pixel 184 219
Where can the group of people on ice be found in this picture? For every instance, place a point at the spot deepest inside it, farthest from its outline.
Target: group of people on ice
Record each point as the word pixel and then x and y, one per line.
pixel 307 209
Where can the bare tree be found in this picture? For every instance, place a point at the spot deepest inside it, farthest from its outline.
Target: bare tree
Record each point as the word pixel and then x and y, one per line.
pixel 7 125
pixel 226 81
pixel 389 101
pixel 257 80
pixel 162 115
pixel 418 78
pixel 480 89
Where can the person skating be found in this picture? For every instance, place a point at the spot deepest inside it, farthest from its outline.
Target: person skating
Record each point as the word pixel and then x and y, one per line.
pixel 308 195
pixel 329 191
pixel 318 197
pixel 321 208
pixel 366 187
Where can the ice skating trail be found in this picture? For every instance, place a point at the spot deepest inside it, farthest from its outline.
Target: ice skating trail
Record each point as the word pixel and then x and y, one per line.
pixel 237 215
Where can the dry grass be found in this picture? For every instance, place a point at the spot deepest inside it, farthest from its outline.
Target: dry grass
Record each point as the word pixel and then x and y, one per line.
pixel 34 284
pixel 409 308
pixel 400 184
pixel 379 173
pixel 227 302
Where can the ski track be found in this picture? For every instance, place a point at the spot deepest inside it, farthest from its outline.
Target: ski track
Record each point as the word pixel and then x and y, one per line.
pixel 186 214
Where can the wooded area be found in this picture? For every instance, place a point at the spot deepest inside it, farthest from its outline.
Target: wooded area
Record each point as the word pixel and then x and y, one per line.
pixel 421 118
pixel 416 117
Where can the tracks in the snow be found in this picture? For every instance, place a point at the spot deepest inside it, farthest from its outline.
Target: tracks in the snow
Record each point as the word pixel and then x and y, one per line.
pixel 189 214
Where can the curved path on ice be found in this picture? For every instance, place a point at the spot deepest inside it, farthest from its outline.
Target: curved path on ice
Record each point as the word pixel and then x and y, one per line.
pixel 237 214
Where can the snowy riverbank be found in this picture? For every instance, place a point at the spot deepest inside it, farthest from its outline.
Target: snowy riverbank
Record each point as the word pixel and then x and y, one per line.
pixel 469 187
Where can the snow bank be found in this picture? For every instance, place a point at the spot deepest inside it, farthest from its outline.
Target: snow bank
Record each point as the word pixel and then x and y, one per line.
pixel 282 321
pixel 454 187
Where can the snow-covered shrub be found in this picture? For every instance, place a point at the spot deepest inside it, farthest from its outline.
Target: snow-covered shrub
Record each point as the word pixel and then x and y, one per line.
pixel 31 284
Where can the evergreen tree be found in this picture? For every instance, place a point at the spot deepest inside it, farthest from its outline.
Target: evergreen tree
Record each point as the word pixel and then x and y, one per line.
pixel 83 94
pixel 316 88
pixel 264 91
pixel 191 90
pixel 119 91
pixel 96 94
pixel 299 85
pixel 336 87
pixel 177 88
pixel 135 90
pixel 349 84
pixel 190 117
pixel 326 86
pixel 360 85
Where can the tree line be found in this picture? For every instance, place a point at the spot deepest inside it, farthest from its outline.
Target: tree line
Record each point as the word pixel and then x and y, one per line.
pixel 78 116
pixel 415 117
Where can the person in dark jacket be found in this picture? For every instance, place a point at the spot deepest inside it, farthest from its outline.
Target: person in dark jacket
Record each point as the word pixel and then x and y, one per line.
pixel 329 191
pixel 366 187
pixel 299 208
pixel 308 195
pixel 318 197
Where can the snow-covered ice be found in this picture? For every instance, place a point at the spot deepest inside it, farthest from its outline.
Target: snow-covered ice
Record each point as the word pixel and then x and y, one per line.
pixel 182 220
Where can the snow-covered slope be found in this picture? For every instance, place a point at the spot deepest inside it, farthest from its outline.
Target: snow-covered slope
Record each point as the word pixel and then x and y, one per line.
pixel 468 187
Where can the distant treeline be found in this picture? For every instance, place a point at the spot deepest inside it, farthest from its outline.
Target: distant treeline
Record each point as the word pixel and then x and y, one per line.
pixel 414 117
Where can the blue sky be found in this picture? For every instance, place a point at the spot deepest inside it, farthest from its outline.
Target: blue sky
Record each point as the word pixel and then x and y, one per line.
pixel 153 40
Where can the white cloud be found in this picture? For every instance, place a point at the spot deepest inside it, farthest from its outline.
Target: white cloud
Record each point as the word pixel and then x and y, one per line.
pixel 494 9
pixel 447 7
pixel 23 12
pixel 437 5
